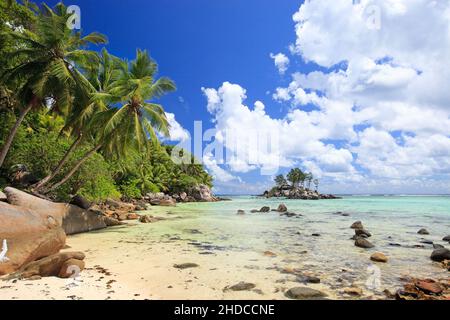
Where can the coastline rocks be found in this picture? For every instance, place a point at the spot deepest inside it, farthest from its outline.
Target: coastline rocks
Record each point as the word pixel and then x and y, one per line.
pixel 29 235
pixel 119 205
pixel 357 225
pixel 304 293
pixel 379 257
pixel 282 208
pixel 424 289
pixel 447 238
pixel 149 219
pixel 202 193
pixel 73 219
pixel 81 202
pixel 363 243
pixel 3 197
pixel 183 196
pixel 423 232
pixel 264 210
pixel 111 222
pixel 50 266
pixel 440 255
pixel 241 212
pixel 71 268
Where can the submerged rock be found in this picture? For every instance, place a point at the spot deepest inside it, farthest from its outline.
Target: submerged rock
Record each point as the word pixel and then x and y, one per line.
pixel 240 212
pixel 440 255
pixel 423 231
pixel 447 238
pixel 353 291
pixel 264 209
pixel 379 257
pixel 438 246
pixel 304 293
pixel 429 286
pixel 363 243
pixel 282 208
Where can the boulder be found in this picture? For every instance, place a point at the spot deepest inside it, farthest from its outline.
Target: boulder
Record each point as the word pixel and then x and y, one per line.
pixel 357 225
pixel 19 175
pixel 363 243
pixel 282 208
pixel 264 209
pixel 71 268
pixel 429 286
pixel 353 291
pixel 423 232
pixel 119 205
pixel 379 257
pixel 440 255
pixel 81 202
pixel 183 196
pixel 3 197
pixel 111 222
pixel 168 203
pixel 149 219
pixel 28 236
pixel 202 193
pixel 132 216
pixel 72 218
pixel 447 238
pixel 362 232
pixel 240 212
pixel 304 293
pixel 47 267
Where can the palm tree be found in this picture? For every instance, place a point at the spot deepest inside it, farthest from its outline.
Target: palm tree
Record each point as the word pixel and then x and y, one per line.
pixel 135 124
pixel 309 179
pixel 280 180
pixel 100 75
pixel 295 177
pixel 47 69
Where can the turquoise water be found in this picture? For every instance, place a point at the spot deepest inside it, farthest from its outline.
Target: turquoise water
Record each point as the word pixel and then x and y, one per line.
pixel 391 220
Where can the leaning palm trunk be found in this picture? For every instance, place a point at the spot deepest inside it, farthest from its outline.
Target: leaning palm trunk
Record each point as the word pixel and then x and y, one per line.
pixel 80 162
pixel 59 167
pixel 13 133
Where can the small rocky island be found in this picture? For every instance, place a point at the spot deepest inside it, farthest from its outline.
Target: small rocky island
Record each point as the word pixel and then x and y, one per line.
pixel 297 185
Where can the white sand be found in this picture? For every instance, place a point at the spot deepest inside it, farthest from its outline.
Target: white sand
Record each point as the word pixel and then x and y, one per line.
pixel 142 270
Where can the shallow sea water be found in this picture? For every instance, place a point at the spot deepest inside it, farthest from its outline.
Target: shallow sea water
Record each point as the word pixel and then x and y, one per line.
pixel 213 227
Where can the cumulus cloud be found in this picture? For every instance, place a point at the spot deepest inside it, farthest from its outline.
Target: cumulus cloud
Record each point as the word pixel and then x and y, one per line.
pixel 177 132
pixel 281 62
pixel 375 113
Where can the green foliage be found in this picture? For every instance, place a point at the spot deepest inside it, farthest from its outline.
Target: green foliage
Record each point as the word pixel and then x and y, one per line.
pixel 97 100
pixel 280 180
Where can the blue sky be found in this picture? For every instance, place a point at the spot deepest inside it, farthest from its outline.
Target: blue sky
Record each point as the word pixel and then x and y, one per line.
pixel 341 84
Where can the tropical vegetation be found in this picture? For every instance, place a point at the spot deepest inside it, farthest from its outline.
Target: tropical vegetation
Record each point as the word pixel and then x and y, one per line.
pixel 81 121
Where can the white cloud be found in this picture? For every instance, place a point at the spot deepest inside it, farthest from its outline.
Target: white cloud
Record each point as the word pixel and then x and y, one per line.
pixel 177 132
pixel 378 107
pixel 281 62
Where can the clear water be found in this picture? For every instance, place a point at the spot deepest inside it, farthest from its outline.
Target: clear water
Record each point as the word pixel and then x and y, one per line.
pixel 391 219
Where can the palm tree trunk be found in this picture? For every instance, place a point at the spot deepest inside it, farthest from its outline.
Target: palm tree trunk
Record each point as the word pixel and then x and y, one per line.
pixel 80 162
pixel 60 165
pixel 13 132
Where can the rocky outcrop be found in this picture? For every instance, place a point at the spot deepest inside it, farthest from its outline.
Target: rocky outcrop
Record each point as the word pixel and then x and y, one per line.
pixel 81 202
pixel 59 264
pixel 72 218
pixel 202 193
pixel 424 289
pixel 28 236
pixel 299 193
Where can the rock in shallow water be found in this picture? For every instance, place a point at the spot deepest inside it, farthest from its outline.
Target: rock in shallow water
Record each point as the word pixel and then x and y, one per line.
pixel 363 243
pixel 362 232
pixel 440 255
pixel 264 209
pixel 447 238
pixel 282 208
pixel 304 293
pixel 429 286
pixel 240 212
pixel 357 225
pixel 423 231
pixel 379 257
